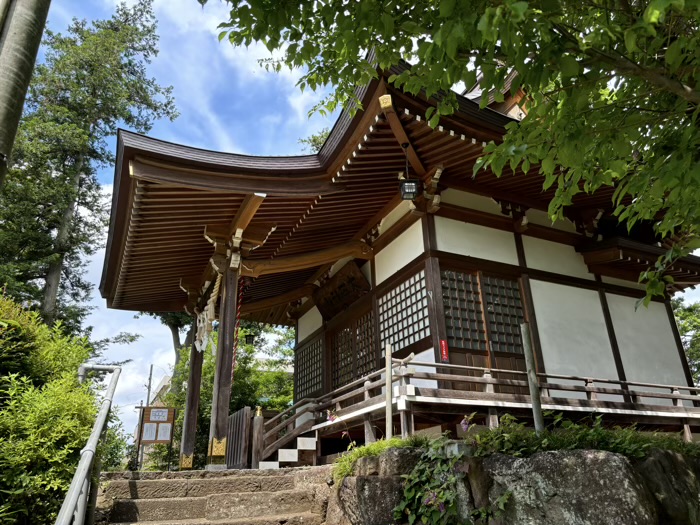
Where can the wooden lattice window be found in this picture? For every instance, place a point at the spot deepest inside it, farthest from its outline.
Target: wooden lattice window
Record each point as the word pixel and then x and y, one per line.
pixel 403 313
pixel 504 313
pixel 353 350
pixel 308 369
pixel 464 320
pixel 482 310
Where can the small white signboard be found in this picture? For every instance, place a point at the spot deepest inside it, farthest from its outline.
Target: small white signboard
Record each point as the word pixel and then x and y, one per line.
pixel 159 414
pixel 149 431
pixel 164 432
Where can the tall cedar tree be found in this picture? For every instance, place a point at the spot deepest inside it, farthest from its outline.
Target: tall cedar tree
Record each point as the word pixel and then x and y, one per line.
pixel 612 87
pixel 93 80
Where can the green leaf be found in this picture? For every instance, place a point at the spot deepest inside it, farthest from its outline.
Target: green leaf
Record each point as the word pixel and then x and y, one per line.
pixel 631 40
pixel 519 9
pixel 674 53
pixel 569 66
pixel 447 7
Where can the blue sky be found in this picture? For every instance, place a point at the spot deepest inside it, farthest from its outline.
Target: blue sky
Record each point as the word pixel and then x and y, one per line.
pixel 227 102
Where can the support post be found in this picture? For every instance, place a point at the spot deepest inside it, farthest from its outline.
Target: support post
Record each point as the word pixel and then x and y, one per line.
pixel 492 419
pixel 405 415
pixel 687 434
pixel 189 425
pixel 369 431
pixel 388 393
pixel 532 378
pixel 258 438
pixel 221 397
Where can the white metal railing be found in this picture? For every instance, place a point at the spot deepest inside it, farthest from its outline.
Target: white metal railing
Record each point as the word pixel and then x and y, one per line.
pixel 75 505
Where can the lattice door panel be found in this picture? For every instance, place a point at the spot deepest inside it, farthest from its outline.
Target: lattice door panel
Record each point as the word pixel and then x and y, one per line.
pixel 308 369
pixel 504 312
pixel 366 350
pixel 403 313
pixel 353 350
pixel 464 320
pixel 342 357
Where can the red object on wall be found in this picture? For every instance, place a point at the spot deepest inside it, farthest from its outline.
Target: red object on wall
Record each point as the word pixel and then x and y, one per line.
pixel 444 351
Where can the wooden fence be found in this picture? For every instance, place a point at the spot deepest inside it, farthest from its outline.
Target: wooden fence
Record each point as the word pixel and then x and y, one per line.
pixel 238 440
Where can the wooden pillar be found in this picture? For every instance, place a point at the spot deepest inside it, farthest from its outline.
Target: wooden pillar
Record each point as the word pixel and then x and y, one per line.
pixel 221 396
pixel 189 425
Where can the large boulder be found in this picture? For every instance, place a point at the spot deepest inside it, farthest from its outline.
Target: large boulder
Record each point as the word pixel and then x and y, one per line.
pixel 580 487
pixel 675 484
pixel 369 500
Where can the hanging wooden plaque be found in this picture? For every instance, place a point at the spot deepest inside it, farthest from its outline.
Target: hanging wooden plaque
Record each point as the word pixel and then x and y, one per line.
pixel 341 290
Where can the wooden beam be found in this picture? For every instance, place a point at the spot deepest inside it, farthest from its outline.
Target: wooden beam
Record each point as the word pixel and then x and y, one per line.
pixel 387 106
pixel 245 213
pixel 189 425
pixel 283 299
pixel 256 268
pixel 230 182
pixel 255 235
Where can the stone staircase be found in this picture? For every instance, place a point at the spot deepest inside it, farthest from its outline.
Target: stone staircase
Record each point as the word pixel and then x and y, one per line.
pixel 292 496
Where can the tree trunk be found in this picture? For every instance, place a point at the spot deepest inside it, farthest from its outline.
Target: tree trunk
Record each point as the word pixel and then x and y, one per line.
pixel 21 26
pixel 53 274
pixel 175 331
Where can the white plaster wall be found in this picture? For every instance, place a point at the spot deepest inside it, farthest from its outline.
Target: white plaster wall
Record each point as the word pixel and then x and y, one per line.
pixel 366 270
pixel 394 215
pixel 470 200
pixel 428 356
pixel 475 241
pixel 542 218
pixel 399 252
pixel 308 324
pixel 647 346
pixel 554 257
pixel 337 266
pixel 622 282
pixel 573 334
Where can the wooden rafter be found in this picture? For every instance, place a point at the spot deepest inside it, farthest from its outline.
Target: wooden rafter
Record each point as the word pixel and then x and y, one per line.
pixel 256 268
pixel 400 133
pixel 283 299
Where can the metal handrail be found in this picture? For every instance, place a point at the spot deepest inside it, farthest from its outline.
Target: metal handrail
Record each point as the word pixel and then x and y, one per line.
pixel 75 502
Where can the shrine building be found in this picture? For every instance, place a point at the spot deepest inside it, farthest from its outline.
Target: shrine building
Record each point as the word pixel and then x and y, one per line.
pixel 384 239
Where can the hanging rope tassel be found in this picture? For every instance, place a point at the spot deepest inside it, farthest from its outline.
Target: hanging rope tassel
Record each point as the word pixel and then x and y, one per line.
pixel 236 331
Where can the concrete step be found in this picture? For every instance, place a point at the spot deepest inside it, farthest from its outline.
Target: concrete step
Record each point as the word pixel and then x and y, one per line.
pixel 162 509
pixel 257 504
pixel 288 455
pixel 184 488
pixel 304 518
pixel 306 443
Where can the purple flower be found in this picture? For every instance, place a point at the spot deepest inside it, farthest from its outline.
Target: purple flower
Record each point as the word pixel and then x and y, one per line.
pixel 465 424
pixel 442 507
pixel 331 416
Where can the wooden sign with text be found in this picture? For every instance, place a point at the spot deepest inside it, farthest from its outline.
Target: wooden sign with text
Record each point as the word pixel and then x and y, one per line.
pixel 157 425
pixel 341 290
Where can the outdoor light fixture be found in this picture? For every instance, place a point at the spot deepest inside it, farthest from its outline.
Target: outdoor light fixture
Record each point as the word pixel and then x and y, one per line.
pixel 410 188
pixel 249 339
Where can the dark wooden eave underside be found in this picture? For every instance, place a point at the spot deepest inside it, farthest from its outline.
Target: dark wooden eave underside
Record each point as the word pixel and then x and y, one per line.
pixel 159 214
pixel 626 259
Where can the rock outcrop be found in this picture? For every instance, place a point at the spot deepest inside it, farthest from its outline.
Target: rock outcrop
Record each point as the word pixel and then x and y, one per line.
pixel 579 487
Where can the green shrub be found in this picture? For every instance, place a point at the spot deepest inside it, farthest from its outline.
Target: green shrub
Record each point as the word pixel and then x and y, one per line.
pixel 515 439
pixel 345 464
pixel 45 415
